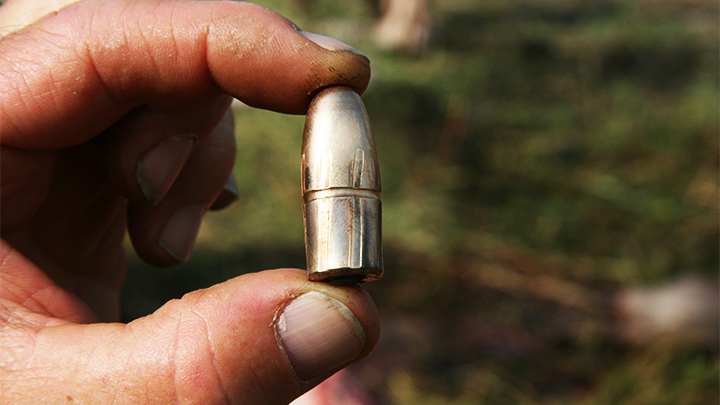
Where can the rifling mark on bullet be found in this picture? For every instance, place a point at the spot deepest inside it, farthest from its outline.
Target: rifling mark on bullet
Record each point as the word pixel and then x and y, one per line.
pixel 358 168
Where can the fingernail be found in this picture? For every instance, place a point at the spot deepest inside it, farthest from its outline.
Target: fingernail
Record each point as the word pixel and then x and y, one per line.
pixel 318 334
pixel 178 236
pixel 160 166
pixel 329 43
pixel 228 195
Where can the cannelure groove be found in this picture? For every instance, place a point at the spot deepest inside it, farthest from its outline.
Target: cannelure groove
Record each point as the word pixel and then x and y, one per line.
pixel 341 190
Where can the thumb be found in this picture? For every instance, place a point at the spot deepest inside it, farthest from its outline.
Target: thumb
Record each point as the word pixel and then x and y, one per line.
pixel 260 338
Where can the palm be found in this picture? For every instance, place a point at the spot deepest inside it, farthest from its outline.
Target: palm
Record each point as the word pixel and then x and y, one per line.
pixel 76 233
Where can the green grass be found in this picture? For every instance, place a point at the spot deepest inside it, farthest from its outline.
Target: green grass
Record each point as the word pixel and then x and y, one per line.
pixel 573 143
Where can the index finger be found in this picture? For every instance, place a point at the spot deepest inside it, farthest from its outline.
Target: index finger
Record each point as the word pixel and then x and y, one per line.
pixel 72 74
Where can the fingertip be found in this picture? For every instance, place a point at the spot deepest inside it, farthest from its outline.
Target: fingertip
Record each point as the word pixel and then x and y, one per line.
pixel 318 334
pixel 164 234
pixel 177 237
pixel 228 195
pixel 265 61
pixel 294 333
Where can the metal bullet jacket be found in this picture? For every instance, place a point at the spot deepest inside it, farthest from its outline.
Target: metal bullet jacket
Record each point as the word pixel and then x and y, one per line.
pixel 341 190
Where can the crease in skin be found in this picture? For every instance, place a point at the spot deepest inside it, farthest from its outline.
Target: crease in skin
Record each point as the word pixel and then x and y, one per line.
pixel 17 14
pixel 212 355
pixel 125 369
pixel 196 377
pixel 36 287
pixel 99 302
pixel 259 382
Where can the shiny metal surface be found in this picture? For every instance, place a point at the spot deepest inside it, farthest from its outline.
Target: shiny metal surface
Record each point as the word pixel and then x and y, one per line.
pixel 341 189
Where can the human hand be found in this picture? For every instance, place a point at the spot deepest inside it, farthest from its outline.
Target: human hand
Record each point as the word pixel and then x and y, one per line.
pixel 114 114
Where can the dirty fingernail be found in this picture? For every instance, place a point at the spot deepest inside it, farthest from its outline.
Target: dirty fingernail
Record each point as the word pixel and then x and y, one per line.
pixel 330 43
pixel 178 236
pixel 160 166
pixel 318 334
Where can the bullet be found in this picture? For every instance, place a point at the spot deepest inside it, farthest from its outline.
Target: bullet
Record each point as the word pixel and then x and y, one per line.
pixel 341 191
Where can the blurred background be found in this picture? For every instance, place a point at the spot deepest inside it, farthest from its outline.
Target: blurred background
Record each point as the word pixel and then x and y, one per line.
pixel 550 193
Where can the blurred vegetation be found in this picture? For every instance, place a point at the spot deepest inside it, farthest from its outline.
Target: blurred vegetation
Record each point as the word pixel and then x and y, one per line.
pixel 537 157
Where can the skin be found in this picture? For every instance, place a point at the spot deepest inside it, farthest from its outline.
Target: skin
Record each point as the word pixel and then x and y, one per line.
pixel 85 93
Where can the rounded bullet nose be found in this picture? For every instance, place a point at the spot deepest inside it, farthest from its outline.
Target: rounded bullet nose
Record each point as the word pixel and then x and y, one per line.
pixel 338 145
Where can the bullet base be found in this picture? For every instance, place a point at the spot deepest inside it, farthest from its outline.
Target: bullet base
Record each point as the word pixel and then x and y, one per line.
pixel 346 276
pixel 343 235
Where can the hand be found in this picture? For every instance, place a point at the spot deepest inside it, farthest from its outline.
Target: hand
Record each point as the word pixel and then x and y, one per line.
pixel 116 112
